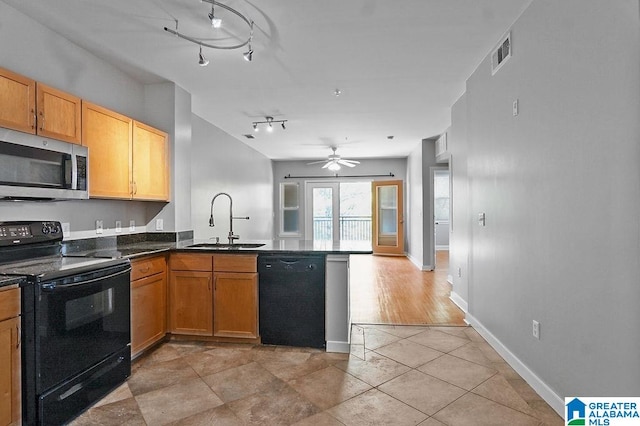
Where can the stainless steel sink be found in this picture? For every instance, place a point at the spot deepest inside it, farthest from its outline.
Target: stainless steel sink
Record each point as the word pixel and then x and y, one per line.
pixel 221 246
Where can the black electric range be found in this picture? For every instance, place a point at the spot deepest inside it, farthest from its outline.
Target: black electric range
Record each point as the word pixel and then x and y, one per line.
pixel 76 338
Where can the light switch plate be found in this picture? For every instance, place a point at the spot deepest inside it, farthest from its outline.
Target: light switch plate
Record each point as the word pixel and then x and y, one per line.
pixel 482 219
pixel 66 229
pixel 118 226
pixel 99 227
pixel 159 224
pixel 132 225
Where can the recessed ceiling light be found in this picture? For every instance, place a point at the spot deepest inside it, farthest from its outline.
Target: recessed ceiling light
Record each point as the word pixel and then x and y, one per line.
pixel 337 92
pixel 249 136
pixel 390 137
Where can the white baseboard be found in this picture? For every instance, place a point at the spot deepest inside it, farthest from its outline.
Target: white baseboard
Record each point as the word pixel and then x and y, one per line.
pixel 450 279
pixel 555 401
pixel 340 347
pixel 459 301
pixel 419 264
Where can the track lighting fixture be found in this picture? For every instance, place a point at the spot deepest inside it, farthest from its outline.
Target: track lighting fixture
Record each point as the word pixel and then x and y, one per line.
pixel 202 61
pixel 216 22
pixel 269 121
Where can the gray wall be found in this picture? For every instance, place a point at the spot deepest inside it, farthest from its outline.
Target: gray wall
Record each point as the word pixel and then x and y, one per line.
pixel 34 51
pixel 460 215
pixel 415 207
pixel 559 185
pixel 220 163
pixel 396 166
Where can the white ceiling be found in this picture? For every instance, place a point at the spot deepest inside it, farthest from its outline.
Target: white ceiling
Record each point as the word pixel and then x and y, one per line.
pixel 400 65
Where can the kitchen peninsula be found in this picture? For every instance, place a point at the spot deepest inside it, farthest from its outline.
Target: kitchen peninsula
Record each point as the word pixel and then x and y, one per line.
pixel 159 267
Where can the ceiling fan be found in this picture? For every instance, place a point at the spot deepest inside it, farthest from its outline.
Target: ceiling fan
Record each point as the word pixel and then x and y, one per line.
pixel 334 161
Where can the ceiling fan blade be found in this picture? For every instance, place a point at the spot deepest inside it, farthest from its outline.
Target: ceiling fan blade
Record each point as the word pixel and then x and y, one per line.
pixel 348 162
pixel 316 162
pixel 327 165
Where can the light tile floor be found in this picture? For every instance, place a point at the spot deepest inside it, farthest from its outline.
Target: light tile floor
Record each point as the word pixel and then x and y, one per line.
pixel 394 375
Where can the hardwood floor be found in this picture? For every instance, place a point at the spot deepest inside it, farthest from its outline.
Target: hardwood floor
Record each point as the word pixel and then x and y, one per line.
pixel 392 290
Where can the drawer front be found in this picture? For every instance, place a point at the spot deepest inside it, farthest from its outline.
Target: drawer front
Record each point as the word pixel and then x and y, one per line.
pixel 146 267
pixel 235 263
pixel 190 262
pixel 9 303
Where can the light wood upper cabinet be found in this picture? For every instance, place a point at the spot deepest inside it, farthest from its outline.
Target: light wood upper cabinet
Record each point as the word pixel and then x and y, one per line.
pixel 10 357
pixel 127 159
pixel 235 296
pixel 150 163
pixel 148 302
pixel 59 114
pixel 36 108
pixel 108 136
pixel 17 102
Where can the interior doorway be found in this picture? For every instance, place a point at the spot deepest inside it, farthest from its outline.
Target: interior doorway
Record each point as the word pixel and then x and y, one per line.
pixel 338 212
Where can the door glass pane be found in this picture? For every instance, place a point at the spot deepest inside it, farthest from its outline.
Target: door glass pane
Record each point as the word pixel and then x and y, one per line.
pixel 355 211
pixel 290 220
pixel 388 216
pixel 290 195
pixel 322 214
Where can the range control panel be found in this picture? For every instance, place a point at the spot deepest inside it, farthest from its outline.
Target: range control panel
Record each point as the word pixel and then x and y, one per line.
pixel 21 233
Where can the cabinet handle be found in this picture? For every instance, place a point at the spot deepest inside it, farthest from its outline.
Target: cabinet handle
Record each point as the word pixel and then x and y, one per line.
pixel 135 188
pixel 19 338
pixel 41 120
pixel 209 284
pixel 145 270
pixel 35 119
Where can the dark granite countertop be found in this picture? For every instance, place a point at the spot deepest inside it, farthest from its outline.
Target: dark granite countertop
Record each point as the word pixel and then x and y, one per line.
pixel 145 248
pixel 6 280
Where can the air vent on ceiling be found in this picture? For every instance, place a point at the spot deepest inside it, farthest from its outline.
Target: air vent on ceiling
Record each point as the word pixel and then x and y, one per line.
pixel 249 136
pixel 501 54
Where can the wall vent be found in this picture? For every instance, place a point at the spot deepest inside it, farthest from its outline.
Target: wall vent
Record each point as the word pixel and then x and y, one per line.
pixel 501 54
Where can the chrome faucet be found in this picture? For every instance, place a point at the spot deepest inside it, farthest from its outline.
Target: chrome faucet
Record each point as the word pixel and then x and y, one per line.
pixel 232 236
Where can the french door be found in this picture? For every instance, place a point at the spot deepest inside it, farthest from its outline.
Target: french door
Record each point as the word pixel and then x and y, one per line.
pixel 338 212
pixel 388 217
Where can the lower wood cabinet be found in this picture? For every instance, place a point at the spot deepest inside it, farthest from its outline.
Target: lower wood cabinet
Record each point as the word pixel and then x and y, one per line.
pixel 190 294
pixel 10 411
pixel 213 295
pixel 235 305
pixel 148 302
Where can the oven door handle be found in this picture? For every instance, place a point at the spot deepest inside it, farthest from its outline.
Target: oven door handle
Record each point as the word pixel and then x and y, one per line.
pixel 52 286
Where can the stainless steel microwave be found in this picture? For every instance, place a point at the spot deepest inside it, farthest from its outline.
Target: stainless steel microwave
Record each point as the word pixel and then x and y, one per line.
pixel 33 167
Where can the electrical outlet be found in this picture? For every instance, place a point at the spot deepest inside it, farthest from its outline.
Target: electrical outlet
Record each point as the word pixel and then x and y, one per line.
pixel 118 226
pixel 159 224
pixel 132 225
pixel 536 329
pixel 66 229
pixel 515 108
pixel 99 227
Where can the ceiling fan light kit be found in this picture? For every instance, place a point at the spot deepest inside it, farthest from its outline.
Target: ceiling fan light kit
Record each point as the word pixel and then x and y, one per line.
pixel 216 22
pixel 335 161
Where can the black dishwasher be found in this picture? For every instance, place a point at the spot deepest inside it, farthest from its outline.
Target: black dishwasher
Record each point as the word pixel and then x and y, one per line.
pixel 292 300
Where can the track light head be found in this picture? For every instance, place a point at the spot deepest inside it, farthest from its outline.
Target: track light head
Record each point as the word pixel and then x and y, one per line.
pixel 202 61
pixel 215 21
pixel 248 55
pixel 255 127
pixel 283 126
